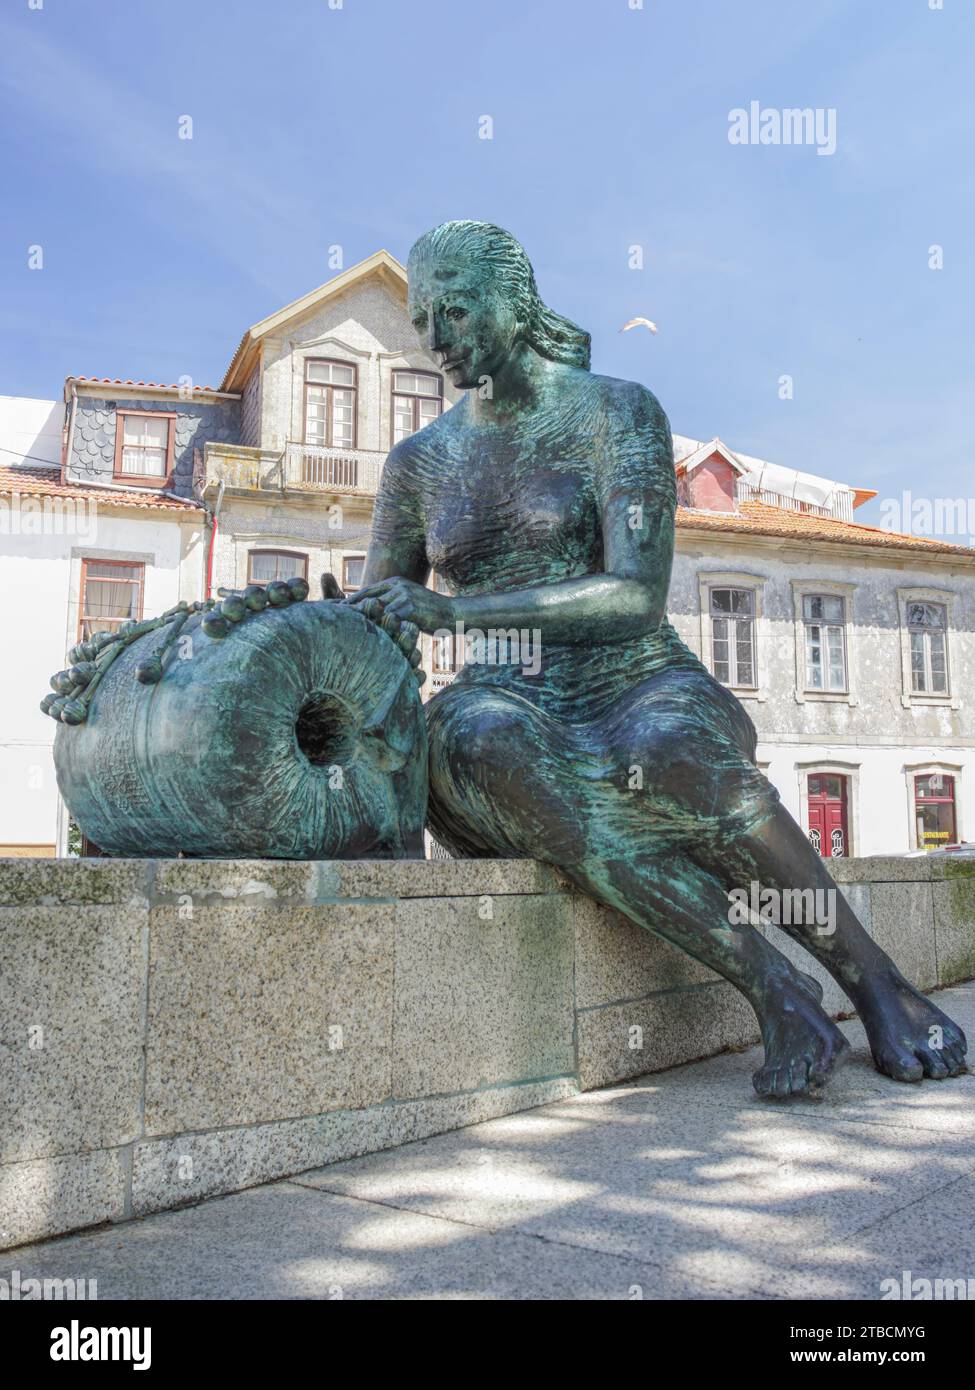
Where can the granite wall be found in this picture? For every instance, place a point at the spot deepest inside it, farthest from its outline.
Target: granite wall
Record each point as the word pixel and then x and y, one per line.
pixel 174 1029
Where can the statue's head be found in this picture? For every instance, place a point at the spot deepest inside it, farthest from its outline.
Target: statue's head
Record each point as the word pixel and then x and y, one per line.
pixel 473 299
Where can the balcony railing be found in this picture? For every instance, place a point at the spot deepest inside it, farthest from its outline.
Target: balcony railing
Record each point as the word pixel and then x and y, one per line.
pixel 839 505
pixel 302 467
pixel 333 470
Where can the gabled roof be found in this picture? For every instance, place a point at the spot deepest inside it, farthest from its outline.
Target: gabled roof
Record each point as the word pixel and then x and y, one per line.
pixel 379 263
pixel 706 451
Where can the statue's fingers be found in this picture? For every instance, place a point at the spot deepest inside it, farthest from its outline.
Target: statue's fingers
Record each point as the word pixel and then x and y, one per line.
pixel 416 656
pixel 372 609
pixel 390 623
pixel 407 638
pixel 370 591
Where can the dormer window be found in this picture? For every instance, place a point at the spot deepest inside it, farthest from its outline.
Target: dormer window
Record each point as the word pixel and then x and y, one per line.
pixel 144 446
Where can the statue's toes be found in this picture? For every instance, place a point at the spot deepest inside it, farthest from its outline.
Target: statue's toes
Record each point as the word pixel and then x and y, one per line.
pixel 898 1063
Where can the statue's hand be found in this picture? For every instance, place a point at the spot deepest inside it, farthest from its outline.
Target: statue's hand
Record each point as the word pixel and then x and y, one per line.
pixel 407 601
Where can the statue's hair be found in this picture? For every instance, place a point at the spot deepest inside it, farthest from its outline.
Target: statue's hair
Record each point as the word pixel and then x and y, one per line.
pixel 483 244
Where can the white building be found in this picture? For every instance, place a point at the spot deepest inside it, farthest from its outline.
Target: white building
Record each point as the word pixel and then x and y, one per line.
pixel 73 559
pixel 852 647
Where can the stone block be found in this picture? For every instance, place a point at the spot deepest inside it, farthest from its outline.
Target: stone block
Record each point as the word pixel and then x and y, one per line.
pixel 622 1041
pixel 71 999
pixel 172 1172
pixel 433 878
pixel 82 882
pixel 46 1196
pixel 902 922
pixel 616 960
pixel 481 999
pixel 243 1004
pixel 954 928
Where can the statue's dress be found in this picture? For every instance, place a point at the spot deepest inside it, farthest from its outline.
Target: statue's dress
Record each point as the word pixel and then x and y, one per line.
pixel 614 750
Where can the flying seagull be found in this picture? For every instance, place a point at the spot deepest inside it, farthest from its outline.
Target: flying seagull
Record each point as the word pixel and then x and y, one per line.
pixel 639 323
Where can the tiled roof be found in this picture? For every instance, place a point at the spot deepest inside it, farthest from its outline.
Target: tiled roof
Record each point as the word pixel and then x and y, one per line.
pixel 760 519
pixel 46 482
pixel 751 518
pixel 158 385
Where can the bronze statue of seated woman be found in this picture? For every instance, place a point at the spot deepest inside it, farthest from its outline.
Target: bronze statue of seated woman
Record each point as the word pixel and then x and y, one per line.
pixel 546 499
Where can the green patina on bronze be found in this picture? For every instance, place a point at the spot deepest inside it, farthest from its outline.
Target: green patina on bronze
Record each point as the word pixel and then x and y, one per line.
pixel 262 726
pixel 546 499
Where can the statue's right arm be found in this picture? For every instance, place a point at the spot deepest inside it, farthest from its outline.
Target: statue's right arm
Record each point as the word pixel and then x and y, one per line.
pixel 398 543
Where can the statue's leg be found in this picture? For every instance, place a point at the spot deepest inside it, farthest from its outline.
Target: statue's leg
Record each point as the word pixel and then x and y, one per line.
pixel 909 1036
pixel 506 779
pixel 700 744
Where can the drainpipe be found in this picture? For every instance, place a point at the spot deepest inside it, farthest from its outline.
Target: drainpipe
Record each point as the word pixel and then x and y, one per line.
pixel 213 537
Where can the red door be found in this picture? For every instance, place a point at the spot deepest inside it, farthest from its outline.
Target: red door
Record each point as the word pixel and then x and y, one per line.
pixel 828 827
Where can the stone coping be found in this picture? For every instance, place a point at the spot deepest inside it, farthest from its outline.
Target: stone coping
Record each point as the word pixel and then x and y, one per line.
pixel 147 882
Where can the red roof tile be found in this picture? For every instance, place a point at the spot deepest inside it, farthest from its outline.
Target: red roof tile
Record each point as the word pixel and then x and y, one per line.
pixel 46 482
pixel 159 385
pixel 761 519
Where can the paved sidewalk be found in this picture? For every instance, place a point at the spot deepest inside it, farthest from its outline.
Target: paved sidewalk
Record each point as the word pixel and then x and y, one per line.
pixel 681 1185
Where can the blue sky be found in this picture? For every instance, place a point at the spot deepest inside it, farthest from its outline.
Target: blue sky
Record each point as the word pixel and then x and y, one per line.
pixel 358 126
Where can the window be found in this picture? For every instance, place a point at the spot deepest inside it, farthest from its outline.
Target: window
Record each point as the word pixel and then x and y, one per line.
pixel 824 625
pixel 144 445
pixel 353 570
pixel 265 565
pixel 934 810
pixel 417 399
pixel 111 594
pixel 733 636
pixel 330 404
pixel 444 654
pixel 927 625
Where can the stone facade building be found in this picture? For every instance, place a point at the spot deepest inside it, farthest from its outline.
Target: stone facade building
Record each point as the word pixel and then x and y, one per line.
pixel 851 647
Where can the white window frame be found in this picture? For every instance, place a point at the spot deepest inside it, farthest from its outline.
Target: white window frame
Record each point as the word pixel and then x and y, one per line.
pixel 414 397
pixel 278 353
pixel 946 598
pixel 348 555
pixel 726 579
pixel 914 770
pixel 802 589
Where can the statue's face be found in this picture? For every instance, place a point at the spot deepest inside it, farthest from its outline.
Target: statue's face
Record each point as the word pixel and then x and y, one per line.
pixel 462 316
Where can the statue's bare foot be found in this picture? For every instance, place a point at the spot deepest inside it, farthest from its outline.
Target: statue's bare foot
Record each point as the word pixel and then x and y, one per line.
pixel 802 1045
pixel 909 1037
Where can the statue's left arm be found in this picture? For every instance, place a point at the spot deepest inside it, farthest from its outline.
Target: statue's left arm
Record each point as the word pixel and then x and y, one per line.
pixel 636 492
